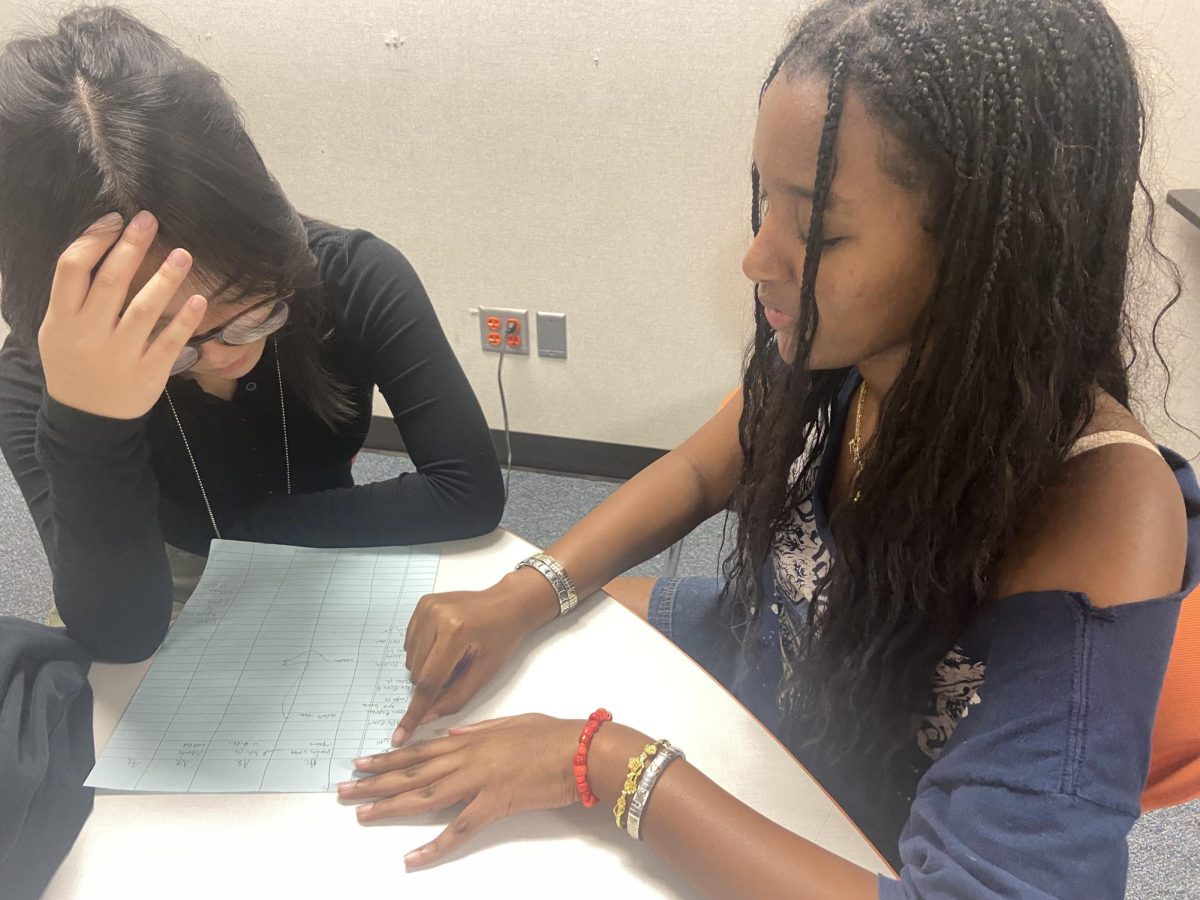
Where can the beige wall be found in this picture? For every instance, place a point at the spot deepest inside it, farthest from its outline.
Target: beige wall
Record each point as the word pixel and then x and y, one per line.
pixel 579 157
pixel 1166 35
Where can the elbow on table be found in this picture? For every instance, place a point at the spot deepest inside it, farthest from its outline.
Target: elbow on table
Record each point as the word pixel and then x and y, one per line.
pixel 482 512
pixel 123 648
pixel 127 647
pixel 477 508
pixel 114 638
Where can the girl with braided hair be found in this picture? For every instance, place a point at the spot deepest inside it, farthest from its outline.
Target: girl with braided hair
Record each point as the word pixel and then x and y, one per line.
pixel 959 558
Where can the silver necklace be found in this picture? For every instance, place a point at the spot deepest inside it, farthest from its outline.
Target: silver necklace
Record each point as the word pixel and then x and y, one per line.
pixel 287 458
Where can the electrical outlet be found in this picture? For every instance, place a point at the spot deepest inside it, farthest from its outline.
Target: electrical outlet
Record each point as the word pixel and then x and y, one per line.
pixel 497 325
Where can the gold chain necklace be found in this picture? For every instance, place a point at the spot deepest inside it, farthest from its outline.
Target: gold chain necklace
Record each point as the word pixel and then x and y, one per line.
pixel 856 441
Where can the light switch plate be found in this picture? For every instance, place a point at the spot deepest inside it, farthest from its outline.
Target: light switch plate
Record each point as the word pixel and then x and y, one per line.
pixel 552 335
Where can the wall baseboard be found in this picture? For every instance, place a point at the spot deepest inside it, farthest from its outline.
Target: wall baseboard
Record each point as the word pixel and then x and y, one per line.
pixel 567 456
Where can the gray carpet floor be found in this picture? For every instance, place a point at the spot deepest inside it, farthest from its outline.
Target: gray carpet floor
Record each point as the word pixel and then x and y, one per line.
pixel 1164 846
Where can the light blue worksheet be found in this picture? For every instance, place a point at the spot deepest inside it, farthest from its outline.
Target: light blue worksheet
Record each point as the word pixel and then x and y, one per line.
pixel 285 665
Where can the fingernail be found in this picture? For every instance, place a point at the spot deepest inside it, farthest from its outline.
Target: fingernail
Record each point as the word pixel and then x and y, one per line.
pixel 178 258
pixel 363 810
pixel 414 857
pixel 105 223
pixel 399 736
pixel 142 221
pixel 362 762
pixel 345 786
pixel 429 718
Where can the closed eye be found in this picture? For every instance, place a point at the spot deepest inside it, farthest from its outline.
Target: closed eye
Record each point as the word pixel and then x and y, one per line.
pixel 825 245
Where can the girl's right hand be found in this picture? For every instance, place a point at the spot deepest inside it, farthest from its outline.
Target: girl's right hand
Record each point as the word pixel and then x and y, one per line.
pixel 96 357
pixel 456 642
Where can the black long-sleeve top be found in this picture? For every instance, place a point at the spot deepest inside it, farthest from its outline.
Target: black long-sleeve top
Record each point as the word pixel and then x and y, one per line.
pixel 106 494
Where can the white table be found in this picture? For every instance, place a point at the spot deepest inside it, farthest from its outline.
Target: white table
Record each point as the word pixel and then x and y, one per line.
pixel 307 845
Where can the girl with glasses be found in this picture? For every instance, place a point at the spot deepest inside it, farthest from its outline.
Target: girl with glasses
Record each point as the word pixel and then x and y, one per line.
pixel 189 357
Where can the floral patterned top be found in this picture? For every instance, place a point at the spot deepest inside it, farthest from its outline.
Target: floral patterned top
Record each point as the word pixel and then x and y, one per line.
pixel 801 559
pixel 1027 770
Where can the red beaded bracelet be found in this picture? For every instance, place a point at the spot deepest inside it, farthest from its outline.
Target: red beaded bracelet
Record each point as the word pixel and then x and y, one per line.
pixel 595 720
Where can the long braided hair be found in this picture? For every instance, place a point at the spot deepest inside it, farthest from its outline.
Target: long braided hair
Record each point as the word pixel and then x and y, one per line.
pixel 1024 123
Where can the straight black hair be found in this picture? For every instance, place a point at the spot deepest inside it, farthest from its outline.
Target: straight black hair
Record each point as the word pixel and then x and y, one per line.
pixel 102 114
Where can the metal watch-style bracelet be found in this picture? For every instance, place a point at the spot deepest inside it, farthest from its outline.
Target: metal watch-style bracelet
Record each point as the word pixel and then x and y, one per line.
pixel 552 571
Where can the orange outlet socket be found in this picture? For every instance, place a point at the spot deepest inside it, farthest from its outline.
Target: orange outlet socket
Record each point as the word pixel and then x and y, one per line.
pixel 504 328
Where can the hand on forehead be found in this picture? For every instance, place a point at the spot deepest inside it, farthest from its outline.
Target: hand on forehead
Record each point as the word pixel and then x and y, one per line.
pixel 220 306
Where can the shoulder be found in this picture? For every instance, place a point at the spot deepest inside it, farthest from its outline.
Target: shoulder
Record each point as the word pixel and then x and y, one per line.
pixel 1111 523
pixel 369 289
pixel 349 253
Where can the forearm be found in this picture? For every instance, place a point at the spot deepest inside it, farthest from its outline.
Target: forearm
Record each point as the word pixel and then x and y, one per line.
pixel 654 509
pixel 721 846
pixel 416 508
pixel 98 517
pixel 388 332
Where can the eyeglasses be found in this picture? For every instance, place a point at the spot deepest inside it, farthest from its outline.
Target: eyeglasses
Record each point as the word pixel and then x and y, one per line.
pixel 259 321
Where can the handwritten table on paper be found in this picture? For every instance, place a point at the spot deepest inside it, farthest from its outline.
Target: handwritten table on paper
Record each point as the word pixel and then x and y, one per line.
pixel 285 665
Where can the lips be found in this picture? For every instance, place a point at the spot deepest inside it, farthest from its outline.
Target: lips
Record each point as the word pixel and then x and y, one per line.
pixel 777 319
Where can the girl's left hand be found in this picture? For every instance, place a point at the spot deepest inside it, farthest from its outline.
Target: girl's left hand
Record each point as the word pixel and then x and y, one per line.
pixel 497 768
